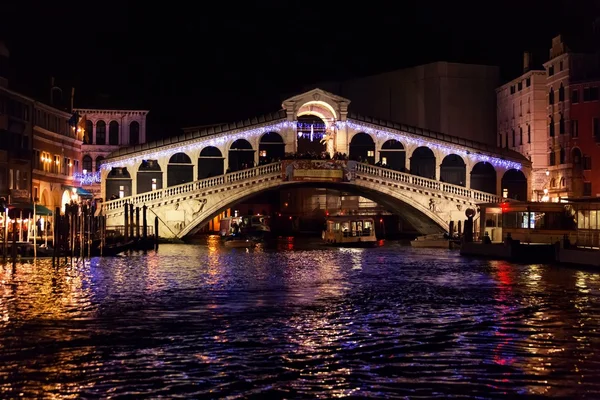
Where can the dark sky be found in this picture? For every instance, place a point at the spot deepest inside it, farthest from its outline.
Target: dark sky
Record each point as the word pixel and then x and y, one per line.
pixel 191 63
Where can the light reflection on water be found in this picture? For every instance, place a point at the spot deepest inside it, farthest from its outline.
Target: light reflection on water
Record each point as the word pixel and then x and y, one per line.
pixel 304 321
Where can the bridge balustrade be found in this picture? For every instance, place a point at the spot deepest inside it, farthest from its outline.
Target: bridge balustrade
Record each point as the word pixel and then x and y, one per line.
pixel 426 183
pixel 263 170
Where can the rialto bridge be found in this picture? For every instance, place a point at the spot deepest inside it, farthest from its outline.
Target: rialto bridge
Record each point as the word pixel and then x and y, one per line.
pixel 429 178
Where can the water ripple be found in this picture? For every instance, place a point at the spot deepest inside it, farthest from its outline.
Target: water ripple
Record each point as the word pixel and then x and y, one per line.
pixel 206 322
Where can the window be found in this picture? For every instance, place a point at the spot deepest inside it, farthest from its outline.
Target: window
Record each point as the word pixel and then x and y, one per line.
pixel 134 133
pixel 87 163
pixel 262 153
pixel 56 165
pixel 513 138
pixel 561 93
pixel 113 133
pixel 561 125
pixel 593 94
pixel 528 82
pixel 520 86
pixel 552 158
pixel 370 153
pixel 575 96
pixel 99 161
pixel 587 188
pixel 520 108
pixel 384 160
pixel 551 70
pixel 512 89
pixel 562 155
pixel 89 131
pixel 551 127
pixel 551 97
pixel 596 127
pixel 560 66
pixel 528 105
pixel 100 132
pixel 587 163
pixel 574 128
pixel 528 133
pixel 520 135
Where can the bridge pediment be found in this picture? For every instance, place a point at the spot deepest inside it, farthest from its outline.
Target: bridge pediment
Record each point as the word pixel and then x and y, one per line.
pixel 327 106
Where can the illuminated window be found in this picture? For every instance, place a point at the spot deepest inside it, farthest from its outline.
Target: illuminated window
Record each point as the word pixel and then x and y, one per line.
pixel 121 192
pixel 370 153
pixel 384 160
pixel 153 183
pixel 505 193
pixel 263 153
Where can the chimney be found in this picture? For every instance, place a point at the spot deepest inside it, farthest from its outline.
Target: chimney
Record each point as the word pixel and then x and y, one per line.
pixel 526 61
pixel 4 57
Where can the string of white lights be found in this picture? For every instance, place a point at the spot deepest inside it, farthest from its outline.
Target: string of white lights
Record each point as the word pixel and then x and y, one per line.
pixel 216 140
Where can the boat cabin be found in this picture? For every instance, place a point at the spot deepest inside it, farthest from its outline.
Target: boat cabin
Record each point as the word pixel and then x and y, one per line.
pixel 348 229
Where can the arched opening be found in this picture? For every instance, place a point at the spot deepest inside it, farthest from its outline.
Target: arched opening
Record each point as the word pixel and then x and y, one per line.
pixel 180 170
pixel 393 155
pixel 483 177
pixel 89 131
pixel 99 161
pixel 515 183
pixel 241 155
pixel 66 199
pixel 44 199
pixel 134 133
pixel 362 148
pixel 113 133
pixel 270 148
pixel 422 162
pixel 149 176
pixel 453 170
pixel 100 132
pixel 86 163
pixel 311 129
pixel 210 163
pixel 118 183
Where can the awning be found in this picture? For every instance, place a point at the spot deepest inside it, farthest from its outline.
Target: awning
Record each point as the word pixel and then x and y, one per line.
pixel 14 210
pixel 81 192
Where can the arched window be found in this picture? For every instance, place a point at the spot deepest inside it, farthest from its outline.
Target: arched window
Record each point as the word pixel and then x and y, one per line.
pixel 134 133
pixel 100 132
pixel 87 163
pixel 561 125
pixel 89 131
pixel 520 135
pixel 551 127
pixel 513 138
pixel 99 161
pixel 561 93
pixel 528 133
pixel 113 133
pixel 551 96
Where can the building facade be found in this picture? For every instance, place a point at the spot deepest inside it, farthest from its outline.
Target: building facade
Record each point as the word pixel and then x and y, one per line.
pixel 443 97
pixel 521 119
pixel 104 132
pixel 548 116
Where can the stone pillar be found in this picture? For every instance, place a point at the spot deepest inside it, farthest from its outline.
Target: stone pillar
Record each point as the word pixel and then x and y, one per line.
pixel 133 170
pixel 103 175
pixel 93 134
pixel 499 175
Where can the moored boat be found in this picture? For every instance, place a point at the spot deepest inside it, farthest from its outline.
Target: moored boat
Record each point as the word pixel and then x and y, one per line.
pixel 350 231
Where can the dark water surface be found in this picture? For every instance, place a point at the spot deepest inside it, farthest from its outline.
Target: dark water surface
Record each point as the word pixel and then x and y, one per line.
pixel 198 321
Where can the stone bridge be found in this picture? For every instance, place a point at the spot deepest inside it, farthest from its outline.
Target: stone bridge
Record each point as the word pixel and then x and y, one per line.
pixel 429 178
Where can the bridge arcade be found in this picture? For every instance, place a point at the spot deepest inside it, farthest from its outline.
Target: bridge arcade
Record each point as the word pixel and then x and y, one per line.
pixel 230 148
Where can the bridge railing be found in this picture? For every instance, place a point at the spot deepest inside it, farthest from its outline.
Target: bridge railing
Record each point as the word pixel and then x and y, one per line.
pixel 426 183
pixel 268 169
pixel 207 183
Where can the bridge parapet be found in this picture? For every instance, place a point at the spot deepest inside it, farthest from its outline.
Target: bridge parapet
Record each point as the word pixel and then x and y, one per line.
pixel 431 184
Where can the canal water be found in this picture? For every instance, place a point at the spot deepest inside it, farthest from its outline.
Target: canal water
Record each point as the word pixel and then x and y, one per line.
pixel 300 321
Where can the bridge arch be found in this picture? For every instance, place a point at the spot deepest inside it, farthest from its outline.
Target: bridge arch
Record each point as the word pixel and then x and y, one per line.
pixel 515 183
pixel 362 147
pixel 422 217
pixel 422 162
pixel 393 155
pixel 241 155
pixel 453 170
pixel 149 176
pixel 180 169
pixel 271 147
pixel 210 162
pixel 483 177
pixel 118 183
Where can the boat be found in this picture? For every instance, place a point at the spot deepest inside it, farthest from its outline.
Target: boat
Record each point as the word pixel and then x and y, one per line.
pixel 252 227
pixel 438 241
pixel 349 231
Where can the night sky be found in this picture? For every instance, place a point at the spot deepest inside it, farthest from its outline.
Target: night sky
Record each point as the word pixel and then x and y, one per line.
pixel 193 64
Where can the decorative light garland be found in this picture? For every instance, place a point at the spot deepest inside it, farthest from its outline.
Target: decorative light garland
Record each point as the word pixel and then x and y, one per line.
pixel 226 137
pixel 89 178
pixel 414 139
